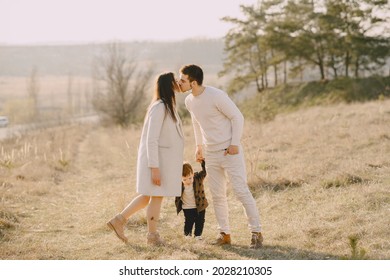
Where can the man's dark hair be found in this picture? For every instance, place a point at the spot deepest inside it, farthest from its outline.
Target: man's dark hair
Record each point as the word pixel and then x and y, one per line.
pixel 194 73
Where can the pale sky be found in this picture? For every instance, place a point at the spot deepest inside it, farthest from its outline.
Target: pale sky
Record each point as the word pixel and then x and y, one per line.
pixel 82 21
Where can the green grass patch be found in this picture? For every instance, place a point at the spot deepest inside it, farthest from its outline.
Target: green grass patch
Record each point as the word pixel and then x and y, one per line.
pixel 357 253
pixel 343 181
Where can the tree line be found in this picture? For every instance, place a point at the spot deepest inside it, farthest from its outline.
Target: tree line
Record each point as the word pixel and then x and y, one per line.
pixel 279 39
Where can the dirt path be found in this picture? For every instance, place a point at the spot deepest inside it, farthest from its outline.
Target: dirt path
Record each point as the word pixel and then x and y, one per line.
pixel 90 195
pixel 68 219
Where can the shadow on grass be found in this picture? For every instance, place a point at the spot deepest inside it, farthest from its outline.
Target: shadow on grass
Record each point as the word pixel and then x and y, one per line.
pixel 278 185
pixel 226 252
pixel 275 252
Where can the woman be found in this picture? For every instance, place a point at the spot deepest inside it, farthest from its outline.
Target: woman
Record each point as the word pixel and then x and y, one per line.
pixel 160 160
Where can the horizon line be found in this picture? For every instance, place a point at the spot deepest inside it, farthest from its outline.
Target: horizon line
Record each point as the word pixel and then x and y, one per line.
pixel 98 42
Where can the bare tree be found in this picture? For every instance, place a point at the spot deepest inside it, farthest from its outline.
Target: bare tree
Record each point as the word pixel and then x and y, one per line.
pixel 119 87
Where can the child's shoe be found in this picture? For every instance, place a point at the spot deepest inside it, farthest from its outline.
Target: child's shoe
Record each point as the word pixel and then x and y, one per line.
pixel 198 238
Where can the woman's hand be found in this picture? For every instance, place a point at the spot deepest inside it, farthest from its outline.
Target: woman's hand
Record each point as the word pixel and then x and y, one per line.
pixel 156 177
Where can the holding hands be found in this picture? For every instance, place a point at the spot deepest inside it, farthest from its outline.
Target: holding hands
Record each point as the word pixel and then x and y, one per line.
pixel 199 154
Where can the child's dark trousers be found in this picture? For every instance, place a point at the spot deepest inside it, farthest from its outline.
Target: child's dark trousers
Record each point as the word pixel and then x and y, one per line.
pixel 192 217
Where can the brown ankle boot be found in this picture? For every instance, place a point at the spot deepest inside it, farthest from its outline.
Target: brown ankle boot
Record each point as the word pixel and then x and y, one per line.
pixel 223 239
pixel 117 224
pixel 154 239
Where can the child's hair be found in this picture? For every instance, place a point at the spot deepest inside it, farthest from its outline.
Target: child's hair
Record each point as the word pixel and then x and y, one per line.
pixel 187 169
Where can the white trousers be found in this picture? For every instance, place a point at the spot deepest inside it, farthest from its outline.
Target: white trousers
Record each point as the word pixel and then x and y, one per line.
pixel 218 166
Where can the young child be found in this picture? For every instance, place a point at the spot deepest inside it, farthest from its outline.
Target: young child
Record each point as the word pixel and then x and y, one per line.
pixel 193 200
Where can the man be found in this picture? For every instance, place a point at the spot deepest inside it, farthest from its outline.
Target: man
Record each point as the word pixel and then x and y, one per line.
pixel 218 126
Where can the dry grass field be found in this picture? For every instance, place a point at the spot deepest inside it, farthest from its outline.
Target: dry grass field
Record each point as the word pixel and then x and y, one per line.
pixel 58 97
pixel 320 177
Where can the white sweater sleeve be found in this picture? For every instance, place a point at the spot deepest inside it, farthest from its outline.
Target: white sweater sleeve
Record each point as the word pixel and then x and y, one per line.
pixel 156 118
pixel 227 107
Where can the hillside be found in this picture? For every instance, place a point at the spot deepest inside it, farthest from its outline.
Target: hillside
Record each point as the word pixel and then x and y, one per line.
pixel 60 60
pixel 294 96
pixel 320 177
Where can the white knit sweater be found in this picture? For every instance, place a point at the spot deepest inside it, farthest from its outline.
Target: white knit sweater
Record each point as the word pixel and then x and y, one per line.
pixel 217 121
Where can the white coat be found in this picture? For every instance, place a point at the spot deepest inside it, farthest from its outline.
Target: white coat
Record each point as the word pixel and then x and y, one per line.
pixel 162 146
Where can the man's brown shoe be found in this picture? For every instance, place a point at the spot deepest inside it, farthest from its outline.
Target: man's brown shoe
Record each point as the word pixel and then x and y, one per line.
pixel 256 240
pixel 223 239
pixel 117 224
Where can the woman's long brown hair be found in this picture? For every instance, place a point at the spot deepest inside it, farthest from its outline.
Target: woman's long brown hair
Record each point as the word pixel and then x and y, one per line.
pixel 165 92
